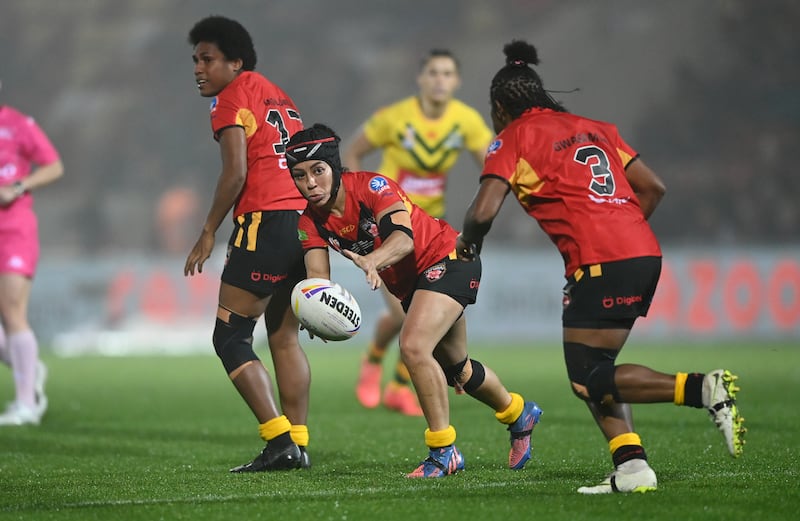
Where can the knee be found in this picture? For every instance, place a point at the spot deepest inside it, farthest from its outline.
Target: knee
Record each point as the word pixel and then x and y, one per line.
pixel 410 353
pixel 591 372
pixel 468 374
pixel 233 341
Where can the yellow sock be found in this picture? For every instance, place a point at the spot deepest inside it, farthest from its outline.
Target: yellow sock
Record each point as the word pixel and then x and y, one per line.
pixel 401 374
pixel 437 439
pixel 274 428
pixel 629 438
pixel 299 435
pixel 680 387
pixel 512 412
pixel 375 354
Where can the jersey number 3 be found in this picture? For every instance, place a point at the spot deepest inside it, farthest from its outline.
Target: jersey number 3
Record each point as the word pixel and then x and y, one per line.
pixel 602 177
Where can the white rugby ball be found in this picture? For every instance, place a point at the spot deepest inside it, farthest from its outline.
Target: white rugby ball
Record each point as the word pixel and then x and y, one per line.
pixel 326 309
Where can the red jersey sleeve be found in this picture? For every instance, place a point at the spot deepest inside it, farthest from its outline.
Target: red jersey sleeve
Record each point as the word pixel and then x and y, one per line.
pixel 626 152
pixel 501 157
pixel 36 145
pixel 308 234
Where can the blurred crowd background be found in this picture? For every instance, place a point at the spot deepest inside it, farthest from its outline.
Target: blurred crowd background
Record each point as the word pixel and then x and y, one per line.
pixel 707 92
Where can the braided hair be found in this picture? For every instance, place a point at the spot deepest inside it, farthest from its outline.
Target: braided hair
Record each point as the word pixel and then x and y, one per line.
pixel 517 87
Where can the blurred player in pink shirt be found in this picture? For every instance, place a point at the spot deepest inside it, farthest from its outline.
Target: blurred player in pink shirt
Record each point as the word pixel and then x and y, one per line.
pixel 28 161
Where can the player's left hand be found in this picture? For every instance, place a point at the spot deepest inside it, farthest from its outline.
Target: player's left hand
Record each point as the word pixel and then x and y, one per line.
pixel 466 251
pixel 199 254
pixel 367 266
pixel 7 195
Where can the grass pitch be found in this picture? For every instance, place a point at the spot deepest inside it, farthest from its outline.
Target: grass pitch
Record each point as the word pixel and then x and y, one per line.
pixel 153 438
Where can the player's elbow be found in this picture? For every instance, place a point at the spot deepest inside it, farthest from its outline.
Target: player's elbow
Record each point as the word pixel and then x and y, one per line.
pixel 56 170
pixel 659 190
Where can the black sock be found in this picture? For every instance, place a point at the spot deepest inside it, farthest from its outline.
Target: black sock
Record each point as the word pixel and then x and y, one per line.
pixel 693 391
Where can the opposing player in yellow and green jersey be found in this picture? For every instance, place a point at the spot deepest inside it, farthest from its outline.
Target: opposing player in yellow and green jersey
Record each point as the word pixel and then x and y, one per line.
pixel 421 138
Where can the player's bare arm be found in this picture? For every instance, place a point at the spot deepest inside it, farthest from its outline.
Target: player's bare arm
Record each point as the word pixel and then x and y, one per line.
pixel 41 176
pixel 318 263
pixel 647 186
pixel 480 215
pixel 233 148
pixel 396 246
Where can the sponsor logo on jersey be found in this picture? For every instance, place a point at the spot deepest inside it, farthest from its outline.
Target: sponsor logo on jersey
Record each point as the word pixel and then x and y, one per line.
pixel 369 226
pixel 435 272
pixel 378 184
pixel 626 300
pixel 258 276
pixel 16 262
pixel 8 171
pixel 494 146
pixel 302 235
pixel 213 105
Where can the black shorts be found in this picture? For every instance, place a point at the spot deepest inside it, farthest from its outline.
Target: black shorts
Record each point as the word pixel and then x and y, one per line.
pixel 610 295
pixel 452 277
pixel 264 252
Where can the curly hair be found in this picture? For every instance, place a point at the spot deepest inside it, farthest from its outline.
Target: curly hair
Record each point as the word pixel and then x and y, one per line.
pixel 517 87
pixel 229 35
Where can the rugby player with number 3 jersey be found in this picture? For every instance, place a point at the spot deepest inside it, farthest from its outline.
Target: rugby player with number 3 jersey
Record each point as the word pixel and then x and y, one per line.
pixel 592 194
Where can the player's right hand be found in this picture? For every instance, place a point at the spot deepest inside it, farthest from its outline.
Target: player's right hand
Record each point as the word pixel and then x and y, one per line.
pixel 199 254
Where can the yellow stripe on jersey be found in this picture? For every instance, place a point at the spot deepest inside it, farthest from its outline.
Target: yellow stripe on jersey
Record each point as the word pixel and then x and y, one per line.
pixel 251 222
pixel 239 232
pixel 525 181
pixel 246 119
pixel 626 158
pixel 252 231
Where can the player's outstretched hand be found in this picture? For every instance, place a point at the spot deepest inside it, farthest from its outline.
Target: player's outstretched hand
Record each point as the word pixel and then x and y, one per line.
pixel 367 266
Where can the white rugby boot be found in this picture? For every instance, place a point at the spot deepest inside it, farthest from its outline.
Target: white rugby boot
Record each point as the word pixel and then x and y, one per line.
pixel 632 476
pixel 19 414
pixel 719 398
pixel 38 389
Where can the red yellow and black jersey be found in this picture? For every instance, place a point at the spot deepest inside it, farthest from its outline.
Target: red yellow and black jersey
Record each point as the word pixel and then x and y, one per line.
pixel 269 118
pixel 418 151
pixel 568 173
pixel 367 194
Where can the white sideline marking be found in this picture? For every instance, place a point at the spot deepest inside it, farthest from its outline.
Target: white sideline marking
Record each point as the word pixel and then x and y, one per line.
pixel 312 493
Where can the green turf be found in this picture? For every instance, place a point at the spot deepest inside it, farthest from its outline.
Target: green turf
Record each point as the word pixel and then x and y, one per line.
pixel 153 437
